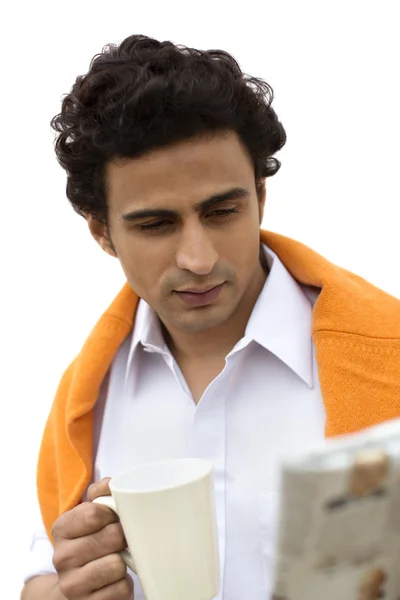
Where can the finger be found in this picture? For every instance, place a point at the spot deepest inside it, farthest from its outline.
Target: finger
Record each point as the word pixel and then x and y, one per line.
pixel 79 584
pixel 84 519
pixel 74 553
pixel 98 488
pixel 103 571
pixel 123 590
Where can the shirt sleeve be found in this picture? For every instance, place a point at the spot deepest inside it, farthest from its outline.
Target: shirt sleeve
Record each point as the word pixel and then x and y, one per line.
pixel 39 559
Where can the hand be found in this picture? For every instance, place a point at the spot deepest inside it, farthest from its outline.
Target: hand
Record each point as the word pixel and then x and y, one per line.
pixel 87 540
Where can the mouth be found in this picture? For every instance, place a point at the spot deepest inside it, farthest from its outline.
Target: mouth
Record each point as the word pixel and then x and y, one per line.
pixel 198 290
pixel 200 297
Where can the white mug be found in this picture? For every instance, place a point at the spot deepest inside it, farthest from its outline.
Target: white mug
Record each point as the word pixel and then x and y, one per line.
pixel 167 513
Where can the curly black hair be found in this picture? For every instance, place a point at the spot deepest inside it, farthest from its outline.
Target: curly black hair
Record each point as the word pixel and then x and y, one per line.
pixel 145 94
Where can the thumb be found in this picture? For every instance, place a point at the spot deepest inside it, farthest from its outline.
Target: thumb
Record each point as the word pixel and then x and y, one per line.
pixel 99 488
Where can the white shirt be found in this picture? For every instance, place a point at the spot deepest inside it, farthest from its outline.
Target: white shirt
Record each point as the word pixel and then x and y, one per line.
pixel 266 403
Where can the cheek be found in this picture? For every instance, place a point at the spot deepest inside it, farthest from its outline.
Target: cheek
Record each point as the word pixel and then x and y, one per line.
pixel 144 264
pixel 241 246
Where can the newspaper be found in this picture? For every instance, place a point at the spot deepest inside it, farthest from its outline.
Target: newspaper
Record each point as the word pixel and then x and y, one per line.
pixel 339 526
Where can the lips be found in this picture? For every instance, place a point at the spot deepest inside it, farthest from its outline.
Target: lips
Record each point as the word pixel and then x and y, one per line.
pixel 202 291
pixel 204 297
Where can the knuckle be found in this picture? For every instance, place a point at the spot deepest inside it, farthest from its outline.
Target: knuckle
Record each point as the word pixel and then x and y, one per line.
pixel 94 548
pixel 99 575
pixel 107 570
pixel 58 526
pixel 114 537
pixel 125 589
pixel 117 566
pixel 102 543
pixel 64 525
pixel 92 516
pixel 69 585
pixel 55 529
pixel 60 558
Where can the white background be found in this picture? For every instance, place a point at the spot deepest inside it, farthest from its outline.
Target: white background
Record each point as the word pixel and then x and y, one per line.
pixel 334 68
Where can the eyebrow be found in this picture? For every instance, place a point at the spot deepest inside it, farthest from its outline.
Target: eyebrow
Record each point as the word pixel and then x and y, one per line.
pixel 235 193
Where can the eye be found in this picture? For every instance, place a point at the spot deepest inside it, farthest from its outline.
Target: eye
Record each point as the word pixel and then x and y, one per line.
pixel 223 212
pixel 154 226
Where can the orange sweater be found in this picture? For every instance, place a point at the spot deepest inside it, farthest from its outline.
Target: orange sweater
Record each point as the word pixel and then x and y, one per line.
pixel 356 332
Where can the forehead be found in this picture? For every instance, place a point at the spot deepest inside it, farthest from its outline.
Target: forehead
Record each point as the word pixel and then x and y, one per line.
pixel 183 173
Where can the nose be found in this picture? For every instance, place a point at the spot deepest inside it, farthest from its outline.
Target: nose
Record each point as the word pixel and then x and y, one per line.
pixel 196 251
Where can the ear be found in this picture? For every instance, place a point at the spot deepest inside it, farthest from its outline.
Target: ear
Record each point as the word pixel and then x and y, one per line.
pixel 100 233
pixel 262 196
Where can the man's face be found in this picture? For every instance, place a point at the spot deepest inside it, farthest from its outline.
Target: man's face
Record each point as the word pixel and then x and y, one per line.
pixel 184 220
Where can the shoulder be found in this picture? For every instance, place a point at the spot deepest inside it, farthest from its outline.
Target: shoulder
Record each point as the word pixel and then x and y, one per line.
pixel 362 308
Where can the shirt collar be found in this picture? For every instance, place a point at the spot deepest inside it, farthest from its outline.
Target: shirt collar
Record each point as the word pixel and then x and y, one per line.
pixel 280 322
pixel 146 332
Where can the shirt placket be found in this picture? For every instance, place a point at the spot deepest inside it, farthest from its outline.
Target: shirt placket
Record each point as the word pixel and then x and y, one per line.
pixel 209 443
pixel 209 438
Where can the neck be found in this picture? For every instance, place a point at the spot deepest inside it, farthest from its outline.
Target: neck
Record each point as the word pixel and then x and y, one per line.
pixel 218 341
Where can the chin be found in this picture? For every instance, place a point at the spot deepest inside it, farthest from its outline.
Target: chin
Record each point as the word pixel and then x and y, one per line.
pixel 201 322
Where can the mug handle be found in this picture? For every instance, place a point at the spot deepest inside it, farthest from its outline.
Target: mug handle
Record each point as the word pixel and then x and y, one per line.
pixel 125 554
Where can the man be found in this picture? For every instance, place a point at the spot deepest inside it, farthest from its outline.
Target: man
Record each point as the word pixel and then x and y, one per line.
pixel 239 350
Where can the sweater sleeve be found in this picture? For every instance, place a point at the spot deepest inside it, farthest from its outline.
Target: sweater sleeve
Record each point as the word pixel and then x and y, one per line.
pixel 50 456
